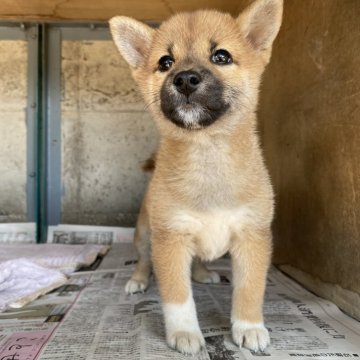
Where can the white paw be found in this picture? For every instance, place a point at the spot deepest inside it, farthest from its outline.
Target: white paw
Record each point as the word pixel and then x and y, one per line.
pixel 253 336
pixel 210 277
pixel 134 286
pixel 186 342
pixel 182 328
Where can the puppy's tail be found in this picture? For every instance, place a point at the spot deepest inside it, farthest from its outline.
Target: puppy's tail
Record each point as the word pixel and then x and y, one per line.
pixel 149 164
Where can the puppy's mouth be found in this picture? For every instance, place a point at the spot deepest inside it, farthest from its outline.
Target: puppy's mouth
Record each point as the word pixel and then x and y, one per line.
pixel 193 106
pixel 193 115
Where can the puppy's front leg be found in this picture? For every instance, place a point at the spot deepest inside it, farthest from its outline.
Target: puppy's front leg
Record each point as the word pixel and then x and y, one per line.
pixel 251 252
pixel 172 258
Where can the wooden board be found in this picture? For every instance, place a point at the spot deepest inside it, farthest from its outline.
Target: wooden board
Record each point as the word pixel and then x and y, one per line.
pixel 85 10
pixel 309 118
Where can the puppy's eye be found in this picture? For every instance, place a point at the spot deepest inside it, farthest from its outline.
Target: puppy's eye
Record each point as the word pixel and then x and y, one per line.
pixel 165 63
pixel 221 57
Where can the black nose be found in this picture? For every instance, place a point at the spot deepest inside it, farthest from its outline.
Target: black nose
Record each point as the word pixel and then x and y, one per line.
pixel 186 82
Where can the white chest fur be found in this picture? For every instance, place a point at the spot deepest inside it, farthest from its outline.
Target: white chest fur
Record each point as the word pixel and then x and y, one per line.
pixel 211 231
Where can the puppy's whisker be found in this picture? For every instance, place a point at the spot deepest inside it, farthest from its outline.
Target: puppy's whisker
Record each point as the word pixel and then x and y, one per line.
pixel 147 105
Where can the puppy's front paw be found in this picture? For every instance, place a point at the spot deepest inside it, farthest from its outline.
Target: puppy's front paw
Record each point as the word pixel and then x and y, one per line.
pixel 186 342
pixel 135 286
pixel 182 328
pixel 253 336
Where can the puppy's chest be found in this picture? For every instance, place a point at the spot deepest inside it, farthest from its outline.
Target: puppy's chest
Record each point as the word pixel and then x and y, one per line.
pixel 212 231
pixel 209 177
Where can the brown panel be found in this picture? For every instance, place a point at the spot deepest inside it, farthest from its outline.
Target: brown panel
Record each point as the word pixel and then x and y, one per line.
pixel 60 10
pixel 310 122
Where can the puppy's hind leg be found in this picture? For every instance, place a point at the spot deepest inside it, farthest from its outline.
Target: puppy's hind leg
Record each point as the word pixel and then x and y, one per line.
pixel 139 280
pixel 201 274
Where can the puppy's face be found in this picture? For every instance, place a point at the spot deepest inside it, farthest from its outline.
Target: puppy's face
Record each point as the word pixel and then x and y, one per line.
pixel 194 69
pixel 200 68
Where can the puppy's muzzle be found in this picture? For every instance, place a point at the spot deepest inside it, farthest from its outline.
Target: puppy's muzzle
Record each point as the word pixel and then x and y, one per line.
pixel 193 99
pixel 186 82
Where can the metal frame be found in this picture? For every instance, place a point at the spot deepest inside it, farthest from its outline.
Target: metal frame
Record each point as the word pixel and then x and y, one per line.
pixel 92 32
pixel 32 126
pixel 43 115
pixel 53 124
pixel 55 34
pixel 43 112
pixel 12 31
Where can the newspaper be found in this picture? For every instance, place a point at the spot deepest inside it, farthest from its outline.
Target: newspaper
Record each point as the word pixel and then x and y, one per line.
pixel 85 234
pixel 65 234
pixel 92 318
pixel 18 233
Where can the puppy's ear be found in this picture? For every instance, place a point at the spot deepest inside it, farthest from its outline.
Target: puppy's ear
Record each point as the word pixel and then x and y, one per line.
pixel 132 38
pixel 260 23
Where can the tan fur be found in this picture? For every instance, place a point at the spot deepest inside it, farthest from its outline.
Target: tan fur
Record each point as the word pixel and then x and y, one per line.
pixel 250 258
pixel 210 192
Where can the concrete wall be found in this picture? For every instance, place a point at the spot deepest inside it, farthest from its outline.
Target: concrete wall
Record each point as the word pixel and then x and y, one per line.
pixel 106 135
pixel 310 122
pixel 13 82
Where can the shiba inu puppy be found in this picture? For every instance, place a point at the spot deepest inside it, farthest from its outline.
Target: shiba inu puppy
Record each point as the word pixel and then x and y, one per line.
pixel 210 192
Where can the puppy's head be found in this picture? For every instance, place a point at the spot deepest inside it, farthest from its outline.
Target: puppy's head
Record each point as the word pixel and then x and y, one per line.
pixel 203 68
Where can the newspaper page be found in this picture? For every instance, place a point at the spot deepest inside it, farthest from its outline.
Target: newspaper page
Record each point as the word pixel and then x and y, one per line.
pixel 92 318
pixel 65 234
pixel 85 234
pixel 18 233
